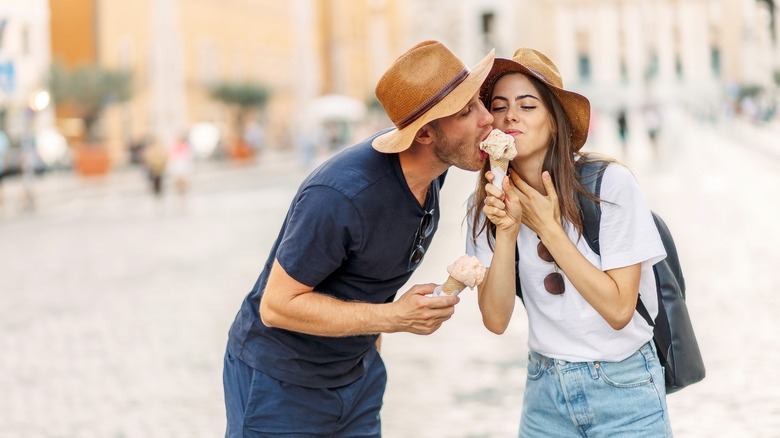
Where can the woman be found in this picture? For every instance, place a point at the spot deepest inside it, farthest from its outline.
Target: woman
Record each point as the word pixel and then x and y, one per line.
pixel 592 366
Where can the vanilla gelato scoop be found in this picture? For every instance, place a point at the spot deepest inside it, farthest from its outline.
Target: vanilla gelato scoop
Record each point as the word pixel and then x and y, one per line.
pixel 501 148
pixel 465 271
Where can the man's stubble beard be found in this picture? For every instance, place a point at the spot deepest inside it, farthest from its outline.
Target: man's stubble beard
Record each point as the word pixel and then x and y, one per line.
pixel 458 154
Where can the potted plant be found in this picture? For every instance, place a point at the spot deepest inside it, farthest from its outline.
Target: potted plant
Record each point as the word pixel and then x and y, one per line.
pixel 85 92
pixel 243 97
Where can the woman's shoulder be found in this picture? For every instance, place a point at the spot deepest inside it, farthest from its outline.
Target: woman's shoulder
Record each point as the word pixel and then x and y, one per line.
pixel 618 171
pixel 613 169
pixel 619 182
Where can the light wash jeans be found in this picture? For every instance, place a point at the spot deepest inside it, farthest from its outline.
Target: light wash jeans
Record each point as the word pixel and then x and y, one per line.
pixel 595 399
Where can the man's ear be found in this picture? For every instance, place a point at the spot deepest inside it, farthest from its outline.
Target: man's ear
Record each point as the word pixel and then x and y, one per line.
pixel 424 135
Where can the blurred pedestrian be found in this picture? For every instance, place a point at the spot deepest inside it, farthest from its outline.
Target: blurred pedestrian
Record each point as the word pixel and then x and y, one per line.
pixel 592 365
pixel 30 166
pixel 5 145
pixel 179 165
pixel 309 141
pixel 652 118
pixel 622 127
pixel 254 136
pixel 302 357
pixel 136 149
pixel 155 158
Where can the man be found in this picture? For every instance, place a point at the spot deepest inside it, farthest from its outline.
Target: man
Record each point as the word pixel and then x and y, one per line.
pixel 301 358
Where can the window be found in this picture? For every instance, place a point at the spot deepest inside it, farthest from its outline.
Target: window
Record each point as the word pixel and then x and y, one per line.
pixel 3 25
pixel 487 26
pixel 623 71
pixel 583 67
pixel 25 40
pixel 652 66
pixel 678 67
pixel 715 61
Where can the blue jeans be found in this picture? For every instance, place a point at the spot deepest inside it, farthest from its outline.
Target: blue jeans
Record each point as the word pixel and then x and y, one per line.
pixel 595 399
pixel 258 405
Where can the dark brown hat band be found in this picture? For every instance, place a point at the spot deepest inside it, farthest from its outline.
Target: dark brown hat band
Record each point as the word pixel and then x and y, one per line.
pixel 433 100
pixel 538 74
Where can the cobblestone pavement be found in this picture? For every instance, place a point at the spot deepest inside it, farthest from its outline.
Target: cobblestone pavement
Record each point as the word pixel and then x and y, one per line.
pixel 114 307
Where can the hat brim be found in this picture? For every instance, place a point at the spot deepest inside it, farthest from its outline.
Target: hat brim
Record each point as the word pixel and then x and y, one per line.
pixel 398 140
pixel 576 106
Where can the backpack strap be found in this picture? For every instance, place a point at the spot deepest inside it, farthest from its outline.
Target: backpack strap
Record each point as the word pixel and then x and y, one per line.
pixel 591 174
pixel 518 288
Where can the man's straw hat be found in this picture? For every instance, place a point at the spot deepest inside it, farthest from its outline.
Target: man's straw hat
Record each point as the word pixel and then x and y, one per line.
pixel 426 83
pixel 534 63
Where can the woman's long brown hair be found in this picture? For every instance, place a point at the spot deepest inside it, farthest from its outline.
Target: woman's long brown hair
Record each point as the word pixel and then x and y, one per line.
pixel 559 161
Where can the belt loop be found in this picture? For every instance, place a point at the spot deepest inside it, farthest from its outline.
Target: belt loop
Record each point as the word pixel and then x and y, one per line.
pixel 648 351
pixel 594 370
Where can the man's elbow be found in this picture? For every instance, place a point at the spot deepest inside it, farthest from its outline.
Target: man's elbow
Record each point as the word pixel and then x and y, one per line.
pixel 268 316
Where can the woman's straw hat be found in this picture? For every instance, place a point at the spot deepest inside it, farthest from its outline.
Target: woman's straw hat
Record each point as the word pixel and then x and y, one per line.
pixel 534 63
pixel 426 83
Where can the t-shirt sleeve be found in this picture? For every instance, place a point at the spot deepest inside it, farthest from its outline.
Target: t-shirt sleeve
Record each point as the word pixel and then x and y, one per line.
pixel 628 234
pixel 478 247
pixel 322 229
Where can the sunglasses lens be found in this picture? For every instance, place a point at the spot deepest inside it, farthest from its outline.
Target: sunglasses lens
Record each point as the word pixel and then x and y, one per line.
pixel 544 253
pixel 423 232
pixel 416 257
pixel 553 283
pixel 426 225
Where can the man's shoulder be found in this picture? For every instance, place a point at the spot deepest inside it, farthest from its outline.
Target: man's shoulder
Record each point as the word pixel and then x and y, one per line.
pixel 354 169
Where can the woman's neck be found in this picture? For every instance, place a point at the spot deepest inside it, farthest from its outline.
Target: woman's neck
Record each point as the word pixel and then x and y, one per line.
pixel 530 170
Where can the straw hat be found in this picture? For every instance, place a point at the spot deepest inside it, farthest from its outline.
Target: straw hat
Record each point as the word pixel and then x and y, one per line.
pixel 534 63
pixel 426 83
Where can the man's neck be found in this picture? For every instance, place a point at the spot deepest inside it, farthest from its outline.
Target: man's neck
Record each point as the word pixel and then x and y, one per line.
pixel 420 167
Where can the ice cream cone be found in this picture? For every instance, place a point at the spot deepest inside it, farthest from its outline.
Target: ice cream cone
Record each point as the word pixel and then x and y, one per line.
pixel 452 286
pixel 499 167
pixel 466 271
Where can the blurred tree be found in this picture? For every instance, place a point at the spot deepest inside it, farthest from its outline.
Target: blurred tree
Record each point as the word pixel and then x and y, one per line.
pixel 87 91
pixel 84 93
pixel 244 97
pixel 750 91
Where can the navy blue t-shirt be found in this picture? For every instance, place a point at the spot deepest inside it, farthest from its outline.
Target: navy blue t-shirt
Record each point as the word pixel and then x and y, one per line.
pixel 349 233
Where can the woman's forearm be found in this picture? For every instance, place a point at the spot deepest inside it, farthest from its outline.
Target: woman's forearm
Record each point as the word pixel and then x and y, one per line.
pixel 497 292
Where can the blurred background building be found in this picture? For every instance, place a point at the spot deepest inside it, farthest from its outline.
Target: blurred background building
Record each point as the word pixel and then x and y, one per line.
pixel 25 57
pixel 237 76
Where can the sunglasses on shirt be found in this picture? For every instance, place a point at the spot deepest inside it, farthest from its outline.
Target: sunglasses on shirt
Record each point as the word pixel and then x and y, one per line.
pixel 553 282
pixel 423 232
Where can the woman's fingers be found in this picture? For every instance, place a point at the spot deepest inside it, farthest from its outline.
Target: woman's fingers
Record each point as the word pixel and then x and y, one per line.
pixel 492 190
pixel 552 195
pixel 548 185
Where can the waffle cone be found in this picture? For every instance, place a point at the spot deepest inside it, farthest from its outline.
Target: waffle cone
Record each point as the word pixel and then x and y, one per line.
pixel 500 163
pixel 452 286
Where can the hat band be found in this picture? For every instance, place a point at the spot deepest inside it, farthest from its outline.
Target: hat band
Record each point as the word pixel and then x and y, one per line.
pixel 433 100
pixel 539 75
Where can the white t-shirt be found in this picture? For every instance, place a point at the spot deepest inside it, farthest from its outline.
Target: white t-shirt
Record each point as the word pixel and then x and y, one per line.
pixel 565 326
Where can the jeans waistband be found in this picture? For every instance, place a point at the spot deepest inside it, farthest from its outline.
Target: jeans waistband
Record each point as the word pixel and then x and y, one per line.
pixel 647 350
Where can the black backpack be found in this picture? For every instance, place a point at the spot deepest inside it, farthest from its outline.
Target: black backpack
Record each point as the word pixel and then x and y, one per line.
pixel 673 334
